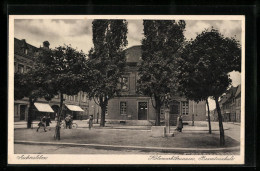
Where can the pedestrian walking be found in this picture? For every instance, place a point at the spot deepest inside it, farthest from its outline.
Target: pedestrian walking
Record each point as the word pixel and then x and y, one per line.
pixel 42 124
pixel 90 122
pixel 48 121
pixel 179 123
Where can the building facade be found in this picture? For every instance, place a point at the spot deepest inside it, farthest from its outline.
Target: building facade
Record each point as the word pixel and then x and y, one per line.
pixel 131 107
pixel 24 54
pixel 230 105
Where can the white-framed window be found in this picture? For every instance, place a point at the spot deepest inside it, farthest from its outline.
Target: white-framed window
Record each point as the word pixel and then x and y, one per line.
pixel 122 108
pixel 125 83
pixel 82 98
pixel 85 98
pixel 185 108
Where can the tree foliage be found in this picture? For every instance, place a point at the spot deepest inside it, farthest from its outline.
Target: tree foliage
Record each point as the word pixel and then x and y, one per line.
pixel 30 85
pixel 204 66
pixel 62 71
pixel 107 61
pixel 162 43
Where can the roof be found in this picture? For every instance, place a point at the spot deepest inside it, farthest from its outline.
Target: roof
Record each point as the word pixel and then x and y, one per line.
pixel 238 92
pixel 134 54
pixel 225 98
pixel 233 90
pixel 21 45
pixel 229 94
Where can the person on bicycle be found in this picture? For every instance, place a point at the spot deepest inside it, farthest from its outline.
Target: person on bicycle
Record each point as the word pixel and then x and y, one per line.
pixel 67 121
pixel 70 121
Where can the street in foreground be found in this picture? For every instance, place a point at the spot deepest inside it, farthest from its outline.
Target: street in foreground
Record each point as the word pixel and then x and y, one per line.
pixel 188 139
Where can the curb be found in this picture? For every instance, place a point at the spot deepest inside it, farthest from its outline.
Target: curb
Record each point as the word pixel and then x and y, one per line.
pixel 148 149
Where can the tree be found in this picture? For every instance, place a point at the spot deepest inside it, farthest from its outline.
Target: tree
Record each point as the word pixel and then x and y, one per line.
pixel 62 72
pixel 193 85
pixel 205 65
pixel 107 61
pixel 163 40
pixel 29 85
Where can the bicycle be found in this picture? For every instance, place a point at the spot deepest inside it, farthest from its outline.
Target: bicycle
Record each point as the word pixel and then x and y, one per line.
pixel 73 125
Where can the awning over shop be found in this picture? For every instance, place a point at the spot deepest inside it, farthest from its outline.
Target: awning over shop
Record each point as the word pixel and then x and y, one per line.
pixel 74 108
pixel 43 107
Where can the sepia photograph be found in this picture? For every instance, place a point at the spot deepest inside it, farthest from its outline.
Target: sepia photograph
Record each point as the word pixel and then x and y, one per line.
pixel 122 89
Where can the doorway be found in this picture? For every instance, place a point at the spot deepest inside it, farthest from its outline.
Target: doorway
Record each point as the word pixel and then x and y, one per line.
pixel 174 112
pixel 142 110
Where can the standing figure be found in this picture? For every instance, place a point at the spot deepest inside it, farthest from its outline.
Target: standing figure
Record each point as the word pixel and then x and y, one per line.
pixel 179 123
pixel 90 122
pixel 56 117
pixel 48 121
pixel 42 124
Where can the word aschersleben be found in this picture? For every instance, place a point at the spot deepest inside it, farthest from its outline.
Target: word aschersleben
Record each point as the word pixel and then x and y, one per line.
pixel 29 157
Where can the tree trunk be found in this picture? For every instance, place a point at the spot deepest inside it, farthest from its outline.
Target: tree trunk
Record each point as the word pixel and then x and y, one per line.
pixel 57 130
pixel 30 111
pixel 208 116
pixel 103 115
pixel 158 117
pixel 221 129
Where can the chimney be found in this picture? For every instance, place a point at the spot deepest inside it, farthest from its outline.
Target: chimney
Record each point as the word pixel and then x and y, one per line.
pixel 46 45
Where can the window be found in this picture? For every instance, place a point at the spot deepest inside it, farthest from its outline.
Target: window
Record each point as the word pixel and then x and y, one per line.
pixel 124 83
pixel 162 111
pixel 20 68
pixel 64 96
pixel 26 51
pixel 162 117
pixel 76 98
pixel 185 108
pixel 123 108
pixel 71 98
pixel 82 97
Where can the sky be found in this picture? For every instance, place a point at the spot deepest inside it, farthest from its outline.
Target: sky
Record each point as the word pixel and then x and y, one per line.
pixel 78 33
